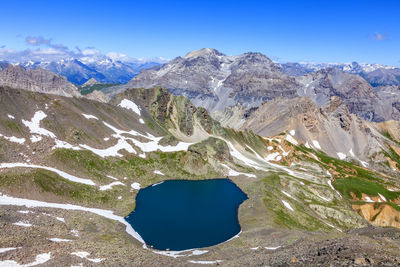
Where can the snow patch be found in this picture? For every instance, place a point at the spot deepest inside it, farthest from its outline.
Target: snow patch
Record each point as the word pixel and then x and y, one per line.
pixel 341 155
pixel 272 156
pixel 111 151
pixel 130 105
pixel 109 186
pixel 177 254
pixel 368 199
pixel 141 121
pixel 84 255
pixel 272 248
pixel 61 173
pixel 206 262
pixel 60 219
pixel 14 139
pixel 382 197
pixel 6 200
pixel 24 224
pixel 55 239
pixel 287 194
pixel 35 138
pixel 292 132
pixel 331 186
pixel 34 125
pixel 290 139
pixel 11 116
pixel 135 186
pixel 87 116
pixel 235 173
pixel 75 232
pixel 2 250
pixel 316 144
pixel 40 259
pixel 158 172
pixel 63 144
pixel 25 211
pixel 287 205
pixel 112 177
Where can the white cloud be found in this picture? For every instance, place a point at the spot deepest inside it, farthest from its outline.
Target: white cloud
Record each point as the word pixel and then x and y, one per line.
pixel 46 50
pixel 379 36
pixel 118 56
pixel 37 40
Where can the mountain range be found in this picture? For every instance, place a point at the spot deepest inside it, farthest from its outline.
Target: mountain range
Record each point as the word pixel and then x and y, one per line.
pixel 79 68
pixel 215 81
pixel 317 153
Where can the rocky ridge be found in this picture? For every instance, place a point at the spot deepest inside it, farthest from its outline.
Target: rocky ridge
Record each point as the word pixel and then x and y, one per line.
pixel 37 80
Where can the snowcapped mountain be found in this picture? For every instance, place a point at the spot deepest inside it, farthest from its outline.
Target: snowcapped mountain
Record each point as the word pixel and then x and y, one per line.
pixel 375 74
pixel 78 66
pixel 352 67
pixel 105 70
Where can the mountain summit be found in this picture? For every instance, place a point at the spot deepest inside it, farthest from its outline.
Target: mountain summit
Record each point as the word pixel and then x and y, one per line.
pixel 215 81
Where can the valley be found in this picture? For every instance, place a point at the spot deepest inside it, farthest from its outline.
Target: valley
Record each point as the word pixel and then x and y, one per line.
pixel 318 162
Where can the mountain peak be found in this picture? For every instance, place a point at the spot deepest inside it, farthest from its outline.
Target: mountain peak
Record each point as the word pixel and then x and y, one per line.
pixel 203 52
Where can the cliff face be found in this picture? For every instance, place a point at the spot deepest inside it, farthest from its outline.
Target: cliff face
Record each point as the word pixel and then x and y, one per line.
pixel 37 80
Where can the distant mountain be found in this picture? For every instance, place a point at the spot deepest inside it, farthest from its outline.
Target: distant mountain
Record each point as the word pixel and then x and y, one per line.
pixel 356 93
pixel 105 70
pixel 3 65
pixel 37 80
pixel 215 81
pixel 382 77
pixel 375 74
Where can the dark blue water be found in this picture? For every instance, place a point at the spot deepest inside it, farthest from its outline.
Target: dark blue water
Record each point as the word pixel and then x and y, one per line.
pixel 181 214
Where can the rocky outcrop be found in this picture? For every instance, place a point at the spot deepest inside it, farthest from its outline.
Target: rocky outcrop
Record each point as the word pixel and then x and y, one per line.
pixel 98 96
pixel 332 126
pixel 356 93
pixel 37 80
pixel 175 113
pixel 379 214
pixel 91 81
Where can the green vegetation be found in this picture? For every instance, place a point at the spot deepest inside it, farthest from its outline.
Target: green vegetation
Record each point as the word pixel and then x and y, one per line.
pixel 359 186
pixel 13 126
pixel 43 181
pixel 393 156
pixel 388 136
pixel 299 218
pixel 173 164
pixel 343 168
pixel 212 147
pixel 95 87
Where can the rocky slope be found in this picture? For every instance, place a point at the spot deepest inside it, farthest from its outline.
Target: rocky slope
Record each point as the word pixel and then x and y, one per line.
pixel 75 151
pixel 37 80
pixel 356 93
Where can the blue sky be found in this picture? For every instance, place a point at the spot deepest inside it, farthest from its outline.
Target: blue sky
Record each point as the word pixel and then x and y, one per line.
pixel 319 31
